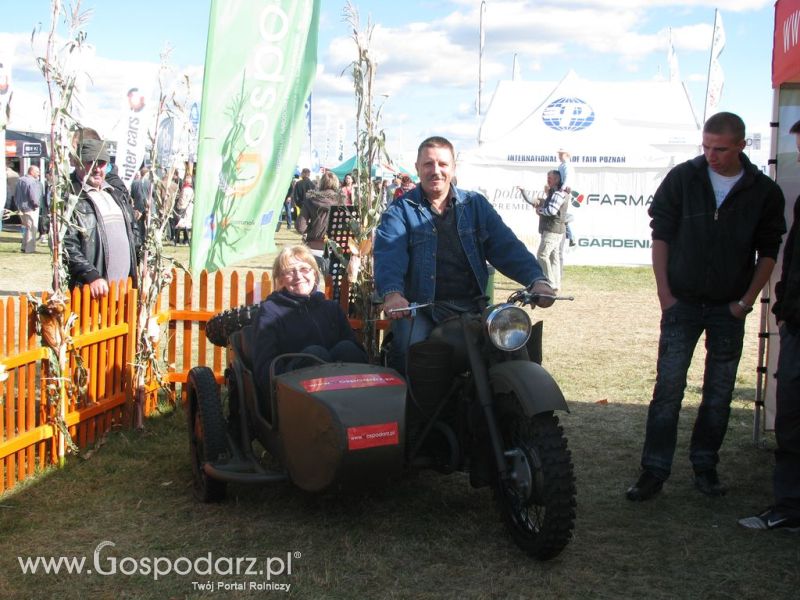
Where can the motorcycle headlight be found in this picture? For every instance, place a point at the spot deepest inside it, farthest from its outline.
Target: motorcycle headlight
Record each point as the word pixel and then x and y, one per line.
pixel 508 326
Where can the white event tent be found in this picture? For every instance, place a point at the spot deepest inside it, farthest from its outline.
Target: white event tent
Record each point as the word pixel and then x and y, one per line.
pixel 623 138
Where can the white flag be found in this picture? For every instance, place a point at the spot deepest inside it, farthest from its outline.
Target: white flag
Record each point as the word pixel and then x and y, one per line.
pixel 672 60
pixel 716 78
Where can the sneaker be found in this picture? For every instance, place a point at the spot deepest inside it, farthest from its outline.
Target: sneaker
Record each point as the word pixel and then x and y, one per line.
pixel 771 519
pixel 645 488
pixel 708 483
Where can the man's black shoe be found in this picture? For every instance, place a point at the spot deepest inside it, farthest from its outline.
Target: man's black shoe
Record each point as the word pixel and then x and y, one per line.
pixel 645 488
pixel 771 519
pixel 708 483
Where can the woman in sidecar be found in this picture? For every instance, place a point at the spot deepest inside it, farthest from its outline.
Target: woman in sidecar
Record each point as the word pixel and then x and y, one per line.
pixel 297 318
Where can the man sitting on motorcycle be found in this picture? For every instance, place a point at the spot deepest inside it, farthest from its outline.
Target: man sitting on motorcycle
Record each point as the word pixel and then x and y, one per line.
pixel 426 252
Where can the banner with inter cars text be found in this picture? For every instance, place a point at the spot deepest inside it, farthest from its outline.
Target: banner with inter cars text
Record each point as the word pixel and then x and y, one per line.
pixel 261 58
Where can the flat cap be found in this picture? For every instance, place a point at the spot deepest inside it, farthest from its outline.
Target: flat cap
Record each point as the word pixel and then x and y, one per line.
pixel 93 150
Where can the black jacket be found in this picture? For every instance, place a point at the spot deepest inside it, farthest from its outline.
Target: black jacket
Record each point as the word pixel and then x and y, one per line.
pixel 712 252
pixel 290 323
pixel 301 188
pixel 787 290
pixel 85 244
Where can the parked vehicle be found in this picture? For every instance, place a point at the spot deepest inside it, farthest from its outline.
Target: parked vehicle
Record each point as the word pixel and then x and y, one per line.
pixel 472 401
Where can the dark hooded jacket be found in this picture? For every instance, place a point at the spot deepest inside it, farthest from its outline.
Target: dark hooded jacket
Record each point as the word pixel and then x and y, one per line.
pixel 712 251
pixel 289 323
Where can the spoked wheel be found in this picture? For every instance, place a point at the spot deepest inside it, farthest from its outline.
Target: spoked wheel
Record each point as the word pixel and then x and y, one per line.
pixel 537 503
pixel 207 440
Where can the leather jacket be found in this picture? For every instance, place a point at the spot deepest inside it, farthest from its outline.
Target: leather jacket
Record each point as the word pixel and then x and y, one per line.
pixel 85 243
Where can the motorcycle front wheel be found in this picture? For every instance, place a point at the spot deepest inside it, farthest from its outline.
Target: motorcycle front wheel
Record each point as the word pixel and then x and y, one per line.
pixel 537 499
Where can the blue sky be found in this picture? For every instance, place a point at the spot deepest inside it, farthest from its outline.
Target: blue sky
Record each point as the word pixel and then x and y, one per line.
pixel 428 55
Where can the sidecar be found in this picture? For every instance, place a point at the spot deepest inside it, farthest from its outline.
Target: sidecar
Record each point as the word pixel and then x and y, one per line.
pixel 323 426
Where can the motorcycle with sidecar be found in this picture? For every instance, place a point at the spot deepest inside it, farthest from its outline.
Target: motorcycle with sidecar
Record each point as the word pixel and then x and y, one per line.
pixel 473 400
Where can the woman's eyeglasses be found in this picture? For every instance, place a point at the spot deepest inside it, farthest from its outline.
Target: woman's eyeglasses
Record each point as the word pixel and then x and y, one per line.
pixel 302 271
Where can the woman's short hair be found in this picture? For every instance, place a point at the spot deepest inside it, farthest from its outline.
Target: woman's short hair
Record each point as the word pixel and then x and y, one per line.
pixel 298 252
pixel 329 181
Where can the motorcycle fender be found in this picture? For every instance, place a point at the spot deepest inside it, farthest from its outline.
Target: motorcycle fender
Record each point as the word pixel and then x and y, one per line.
pixel 536 390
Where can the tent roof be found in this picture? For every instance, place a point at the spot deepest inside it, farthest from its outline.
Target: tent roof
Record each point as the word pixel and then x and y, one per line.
pixel 645 118
pixel 344 168
pixel 349 166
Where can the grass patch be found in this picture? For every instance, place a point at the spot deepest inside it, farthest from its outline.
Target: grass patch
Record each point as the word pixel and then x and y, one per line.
pixel 430 536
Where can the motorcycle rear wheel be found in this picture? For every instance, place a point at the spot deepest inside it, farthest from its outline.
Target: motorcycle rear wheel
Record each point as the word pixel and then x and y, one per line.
pixel 539 516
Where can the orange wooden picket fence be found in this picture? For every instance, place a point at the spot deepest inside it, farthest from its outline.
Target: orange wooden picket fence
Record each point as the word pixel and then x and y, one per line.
pixel 188 312
pixel 104 336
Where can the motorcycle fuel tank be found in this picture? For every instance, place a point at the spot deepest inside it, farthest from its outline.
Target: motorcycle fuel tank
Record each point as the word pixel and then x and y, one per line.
pixel 341 423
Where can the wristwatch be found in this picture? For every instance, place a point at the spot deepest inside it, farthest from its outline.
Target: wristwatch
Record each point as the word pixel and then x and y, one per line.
pixel 747 308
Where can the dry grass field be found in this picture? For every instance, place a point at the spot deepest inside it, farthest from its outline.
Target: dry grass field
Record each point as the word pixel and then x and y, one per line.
pixel 429 536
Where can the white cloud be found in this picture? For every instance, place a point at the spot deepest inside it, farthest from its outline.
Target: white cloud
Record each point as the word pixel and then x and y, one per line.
pixel 429 66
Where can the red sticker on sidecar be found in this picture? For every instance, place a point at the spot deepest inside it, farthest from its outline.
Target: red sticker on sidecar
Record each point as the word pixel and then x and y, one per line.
pixel 370 436
pixel 349 382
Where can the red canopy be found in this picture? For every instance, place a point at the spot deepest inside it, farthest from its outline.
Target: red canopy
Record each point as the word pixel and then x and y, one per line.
pixel 786 45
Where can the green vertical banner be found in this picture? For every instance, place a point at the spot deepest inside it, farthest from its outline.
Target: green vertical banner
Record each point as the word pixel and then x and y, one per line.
pixel 261 57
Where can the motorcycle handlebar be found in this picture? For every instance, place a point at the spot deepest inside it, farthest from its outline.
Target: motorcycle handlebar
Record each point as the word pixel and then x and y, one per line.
pixel 522 296
pixel 410 308
pixel 527 297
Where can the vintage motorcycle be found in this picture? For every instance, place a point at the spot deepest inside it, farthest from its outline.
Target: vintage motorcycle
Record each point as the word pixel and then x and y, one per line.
pixel 472 401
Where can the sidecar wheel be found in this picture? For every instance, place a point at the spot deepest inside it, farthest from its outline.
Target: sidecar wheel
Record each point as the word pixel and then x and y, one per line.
pixel 538 506
pixel 207 439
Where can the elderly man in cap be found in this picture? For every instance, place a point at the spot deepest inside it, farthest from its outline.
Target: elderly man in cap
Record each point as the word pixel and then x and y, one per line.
pixel 101 242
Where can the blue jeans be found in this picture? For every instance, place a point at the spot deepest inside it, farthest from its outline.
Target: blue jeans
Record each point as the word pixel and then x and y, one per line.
pixel 786 477
pixel 287 211
pixel 681 326
pixel 409 331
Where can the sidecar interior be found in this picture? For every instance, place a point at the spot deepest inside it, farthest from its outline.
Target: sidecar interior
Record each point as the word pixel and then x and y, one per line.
pixel 242 343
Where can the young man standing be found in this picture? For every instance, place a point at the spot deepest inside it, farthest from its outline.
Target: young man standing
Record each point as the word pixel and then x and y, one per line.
pixel 717 224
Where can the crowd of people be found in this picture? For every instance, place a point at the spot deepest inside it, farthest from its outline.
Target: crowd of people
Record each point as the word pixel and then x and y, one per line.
pixel 717 226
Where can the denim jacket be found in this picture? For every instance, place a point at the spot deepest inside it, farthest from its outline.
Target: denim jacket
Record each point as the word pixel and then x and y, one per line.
pixel 405 246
